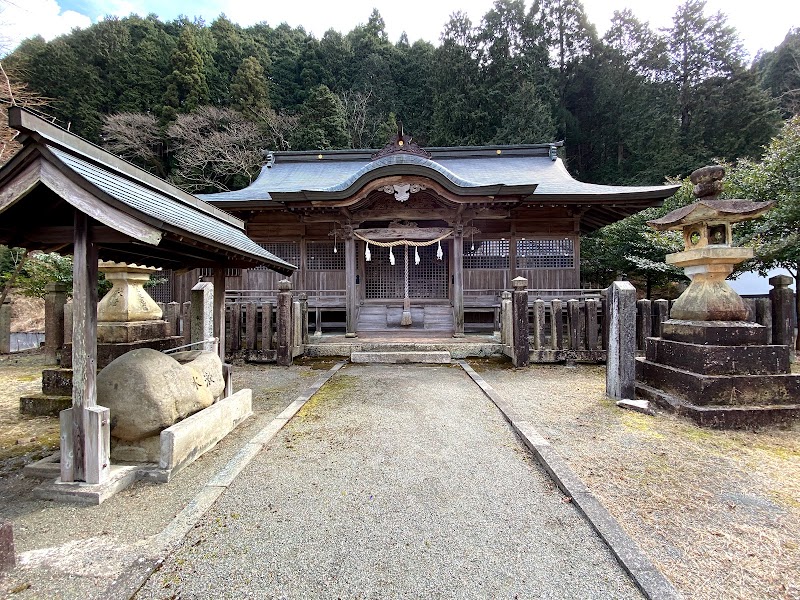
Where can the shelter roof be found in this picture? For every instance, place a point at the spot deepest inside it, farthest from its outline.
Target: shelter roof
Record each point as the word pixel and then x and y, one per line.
pixel 532 172
pixel 138 215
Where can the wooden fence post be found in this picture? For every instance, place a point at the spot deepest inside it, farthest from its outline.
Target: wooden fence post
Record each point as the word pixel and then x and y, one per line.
pixel 519 303
pixel 556 325
pixel 284 323
pixel 266 326
pixel 764 315
pixel 172 316
pixel 621 357
pixel 303 318
pixel 573 323
pixel 661 314
pixel 236 326
pixel 186 319
pixel 783 314
pixel 506 319
pixel 251 316
pixel 538 324
pixel 591 324
pixel 644 322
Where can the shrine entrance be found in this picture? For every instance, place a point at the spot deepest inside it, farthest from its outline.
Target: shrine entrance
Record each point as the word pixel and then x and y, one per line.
pixel 406 288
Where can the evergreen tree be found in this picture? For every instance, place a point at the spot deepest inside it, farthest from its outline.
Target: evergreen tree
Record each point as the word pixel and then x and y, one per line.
pixel 322 122
pixel 779 73
pixel 187 87
pixel 249 90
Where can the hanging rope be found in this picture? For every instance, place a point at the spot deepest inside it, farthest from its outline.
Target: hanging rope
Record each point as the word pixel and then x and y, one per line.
pixel 403 242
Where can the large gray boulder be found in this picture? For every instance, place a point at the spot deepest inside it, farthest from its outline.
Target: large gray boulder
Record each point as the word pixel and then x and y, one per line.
pixel 147 391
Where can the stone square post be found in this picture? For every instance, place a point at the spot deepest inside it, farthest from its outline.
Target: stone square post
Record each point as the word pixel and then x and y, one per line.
pixel 519 303
pixel 54 302
pixel 506 319
pixel 5 327
pixel 202 317
pixel 284 324
pixel 621 357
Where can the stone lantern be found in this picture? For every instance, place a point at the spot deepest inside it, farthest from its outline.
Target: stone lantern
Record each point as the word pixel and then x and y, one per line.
pixel 127 313
pixel 709 256
pixel 710 363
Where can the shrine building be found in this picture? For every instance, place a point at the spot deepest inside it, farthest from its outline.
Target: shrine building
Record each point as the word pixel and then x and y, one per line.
pixel 422 240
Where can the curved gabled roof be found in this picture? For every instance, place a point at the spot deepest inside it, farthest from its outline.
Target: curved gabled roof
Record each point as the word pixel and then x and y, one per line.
pixel 468 171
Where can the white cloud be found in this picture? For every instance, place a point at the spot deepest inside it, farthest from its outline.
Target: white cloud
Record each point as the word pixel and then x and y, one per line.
pixel 27 18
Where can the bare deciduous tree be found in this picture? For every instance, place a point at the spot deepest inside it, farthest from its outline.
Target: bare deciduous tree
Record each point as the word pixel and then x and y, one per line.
pixel 213 147
pixel 12 92
pixel 277 126
pixel 136 137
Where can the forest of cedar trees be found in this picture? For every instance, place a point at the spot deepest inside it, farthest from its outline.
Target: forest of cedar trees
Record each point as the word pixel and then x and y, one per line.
pixel 198 103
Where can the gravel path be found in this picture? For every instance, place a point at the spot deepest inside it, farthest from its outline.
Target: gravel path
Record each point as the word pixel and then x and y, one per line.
pixel 392 482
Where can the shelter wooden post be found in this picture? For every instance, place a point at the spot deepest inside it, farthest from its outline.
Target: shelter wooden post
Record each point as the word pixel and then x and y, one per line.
pixel 458 280
pixel 84 427
pixel 219 310
pixel 351 293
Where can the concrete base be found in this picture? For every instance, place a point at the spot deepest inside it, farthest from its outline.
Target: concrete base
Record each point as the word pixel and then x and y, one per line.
pixel 119 478
pixel 187 440
pixel 718 360
pixel 430 357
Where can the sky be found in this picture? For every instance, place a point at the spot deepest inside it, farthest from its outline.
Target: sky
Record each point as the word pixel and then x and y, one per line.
pixel 761 25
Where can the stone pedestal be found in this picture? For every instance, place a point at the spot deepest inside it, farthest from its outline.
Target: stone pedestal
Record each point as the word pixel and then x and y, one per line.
pixel 721 373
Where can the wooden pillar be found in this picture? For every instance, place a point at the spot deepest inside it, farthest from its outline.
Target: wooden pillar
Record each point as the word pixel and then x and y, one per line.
pixel 85 429
pixel 351 293
pixel 458 280
pixel 303 319
pixel 219 310
pixel 266 326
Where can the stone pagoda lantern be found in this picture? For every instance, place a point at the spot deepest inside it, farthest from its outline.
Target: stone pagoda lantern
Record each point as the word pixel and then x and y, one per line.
pixel 710 363
pixel 709 256
pixel 127 313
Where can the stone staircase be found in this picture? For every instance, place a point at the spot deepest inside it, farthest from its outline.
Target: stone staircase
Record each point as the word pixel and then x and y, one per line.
pixel 56 394
pixel 401 357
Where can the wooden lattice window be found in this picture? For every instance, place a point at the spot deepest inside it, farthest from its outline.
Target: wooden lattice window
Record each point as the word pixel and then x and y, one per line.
pixel 321 257
pixel 209 272
pixel 555 253
pixel 429 279
pixel 487 254
pixel 288 251
pixel 162 292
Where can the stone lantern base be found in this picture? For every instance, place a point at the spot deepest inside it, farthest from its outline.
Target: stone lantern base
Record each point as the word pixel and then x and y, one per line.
pixel 722 374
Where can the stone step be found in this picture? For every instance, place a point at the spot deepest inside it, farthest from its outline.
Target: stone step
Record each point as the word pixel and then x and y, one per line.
pixel 44 404
pixel 430 357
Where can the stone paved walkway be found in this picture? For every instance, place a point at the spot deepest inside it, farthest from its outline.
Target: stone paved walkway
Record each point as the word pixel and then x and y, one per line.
pixel 392 482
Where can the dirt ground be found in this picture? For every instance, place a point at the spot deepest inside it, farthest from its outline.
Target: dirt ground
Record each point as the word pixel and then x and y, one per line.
pixel 22 437
pixel 717 511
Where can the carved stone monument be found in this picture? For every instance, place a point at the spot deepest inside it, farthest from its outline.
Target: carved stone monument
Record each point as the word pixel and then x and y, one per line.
pixel 711 363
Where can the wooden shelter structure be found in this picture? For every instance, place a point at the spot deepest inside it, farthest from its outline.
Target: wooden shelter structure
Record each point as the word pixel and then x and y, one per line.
pixel 61 193
pixel 410 239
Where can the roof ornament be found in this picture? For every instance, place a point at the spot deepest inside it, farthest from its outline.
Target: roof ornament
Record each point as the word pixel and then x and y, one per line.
pixel 269 158
pixel 401 143
pixel 402 191
pixel 553 152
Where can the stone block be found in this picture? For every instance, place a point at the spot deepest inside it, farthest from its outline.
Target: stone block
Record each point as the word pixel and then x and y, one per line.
pixel 202 317
pixel 718 360
pixel 131 331
pixel 620 368
pixel 401 358
pixel 44 404
pixel 187 440
pixel 719 333
pixel 726 390
pixel 119 478
pixel 57 382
